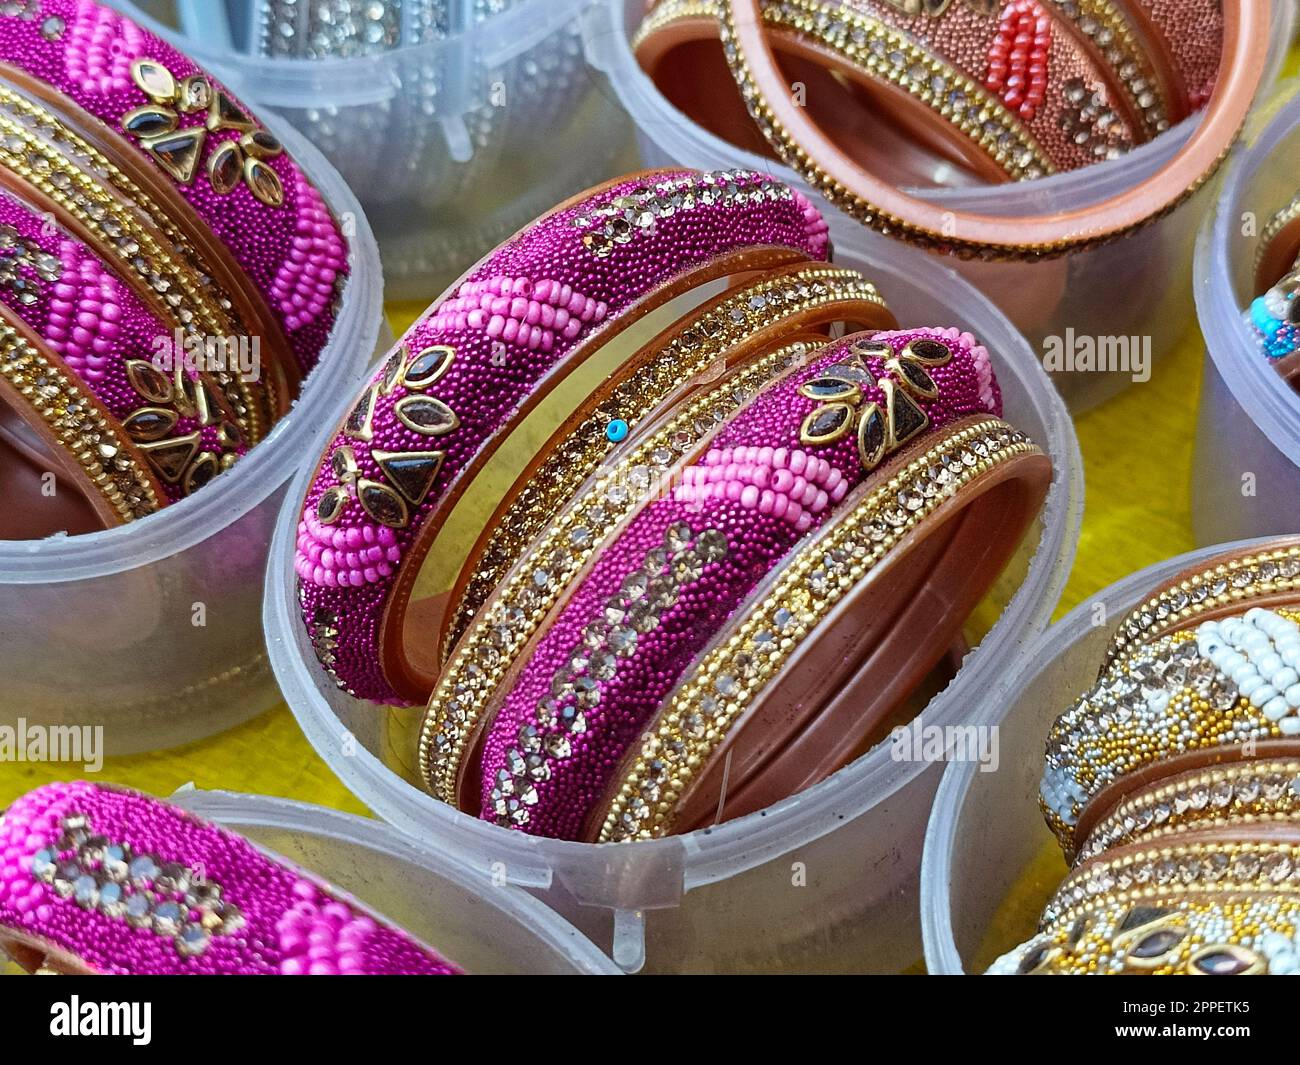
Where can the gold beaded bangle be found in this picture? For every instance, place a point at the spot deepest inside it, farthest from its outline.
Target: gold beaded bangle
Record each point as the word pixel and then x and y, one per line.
pixel 827 292
pixel 488 650
pixel 759 642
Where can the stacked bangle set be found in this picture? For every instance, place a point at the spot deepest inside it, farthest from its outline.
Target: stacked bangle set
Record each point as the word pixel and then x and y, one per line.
pixel 726 564
pixel 868 98
pixel 1274 315
pixel 1173 785
pixel 167 274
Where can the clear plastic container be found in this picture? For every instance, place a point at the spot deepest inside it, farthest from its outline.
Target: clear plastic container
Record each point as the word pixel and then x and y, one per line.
pixel 1246 476
pixel 825 880
pixel 452 139
pixel 486 927
pixel 1136 287
pixel 152 630
pixel 987 848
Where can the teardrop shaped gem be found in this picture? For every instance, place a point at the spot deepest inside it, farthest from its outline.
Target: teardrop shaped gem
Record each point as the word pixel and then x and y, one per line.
pixel 225 168
pixel 260 144
pixel 231 435
pixel 201 472
pixel 170 457
pixel 149 423
pixel 393 370
pixel 826 424
pixel 906 419
pixel 411 472
pixel 343 462
pixel 428 366
pixel 1226 959
pixel 224 113
pixel 825 389
pixel 873 437
pixel 928 350
pixel 877 349
pixel 154 79
pixel 357 423
pixel 1156 944
pixel 149 381
pixel 426 415
pixel 149 121
pixel 330 505
pixel 195 94
pixel 179 152
pixel 263 182
pixel 1035 960
pixel 382 504
pixel 1142 915
pixel 912 376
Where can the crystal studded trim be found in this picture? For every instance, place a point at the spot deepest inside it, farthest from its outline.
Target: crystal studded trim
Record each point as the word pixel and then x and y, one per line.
pixel 494 639
pixel 708 702
pixel 692 351
pixel 1234 581
pixel 105 453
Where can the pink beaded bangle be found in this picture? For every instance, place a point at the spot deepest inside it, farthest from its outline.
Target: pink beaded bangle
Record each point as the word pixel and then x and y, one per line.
pixel 76 366
pixel 102 880
pixel 173 131
pixel 517 324
pixel 541 754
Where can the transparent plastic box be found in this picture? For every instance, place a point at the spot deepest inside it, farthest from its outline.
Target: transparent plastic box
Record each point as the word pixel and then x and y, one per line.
pixel 987 838
pixel 152 630
pixel 451 145
pixel 1136 287
pixel 485 927
pixel 823 881
pixel 1246 476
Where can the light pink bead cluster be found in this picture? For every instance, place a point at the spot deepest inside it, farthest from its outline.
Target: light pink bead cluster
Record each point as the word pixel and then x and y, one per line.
pixel 84 313
pixel 304 284
pixel 785 483
pixel 1018 57
pixel 520 310
pixel 321 937
pixel 344 556
pixel 97 62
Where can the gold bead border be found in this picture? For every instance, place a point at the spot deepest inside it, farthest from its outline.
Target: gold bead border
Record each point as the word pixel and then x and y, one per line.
pixel 485 653
pixel 693 351
pixel 677 751
pixel 79 426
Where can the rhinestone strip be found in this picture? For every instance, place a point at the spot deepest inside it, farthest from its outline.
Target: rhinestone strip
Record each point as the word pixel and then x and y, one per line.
pixel 139 888
pixel 193 308
pixel 693 351
pixel 893 57
pixel 812 581
pixel 1244 794
pixel 1283 218
pixel 493 641
pixel 102 451
pixel 1235 581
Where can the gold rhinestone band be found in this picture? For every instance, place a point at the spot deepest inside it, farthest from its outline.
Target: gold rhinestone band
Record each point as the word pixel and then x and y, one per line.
pixel 693 351
pixel 492 642
pixel 707 703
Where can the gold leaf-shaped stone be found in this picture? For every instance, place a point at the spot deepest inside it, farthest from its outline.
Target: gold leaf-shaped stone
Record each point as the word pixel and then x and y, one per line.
pixel 393 370
pixel 382 504
pixel 263 182
pixel 357 423
pixel 928 350
pixel 428 366
pixel 827 389
pixel 150 423
pixel 826 424
pixel 330 505
pixel 426 415
pixel 155 80
pixel 260 144
pixel 343 462
pixel 225 168
pixel 149 121
pixel 912 376
pixel 149 381
pixel 1226 959
pixel 204 468
pixel 873 437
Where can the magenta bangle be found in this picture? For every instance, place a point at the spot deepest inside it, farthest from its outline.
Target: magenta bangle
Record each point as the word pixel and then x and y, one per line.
pixel 101 335
pixel 515 325
pixel 102 880
pixel 83 59
pixel 657 592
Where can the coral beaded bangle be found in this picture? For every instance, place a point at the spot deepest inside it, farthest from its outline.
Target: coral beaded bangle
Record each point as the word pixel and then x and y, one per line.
pixel 517 325
pixel 541 752
pixel 866 191
pixel 100 880
pixel 262 231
